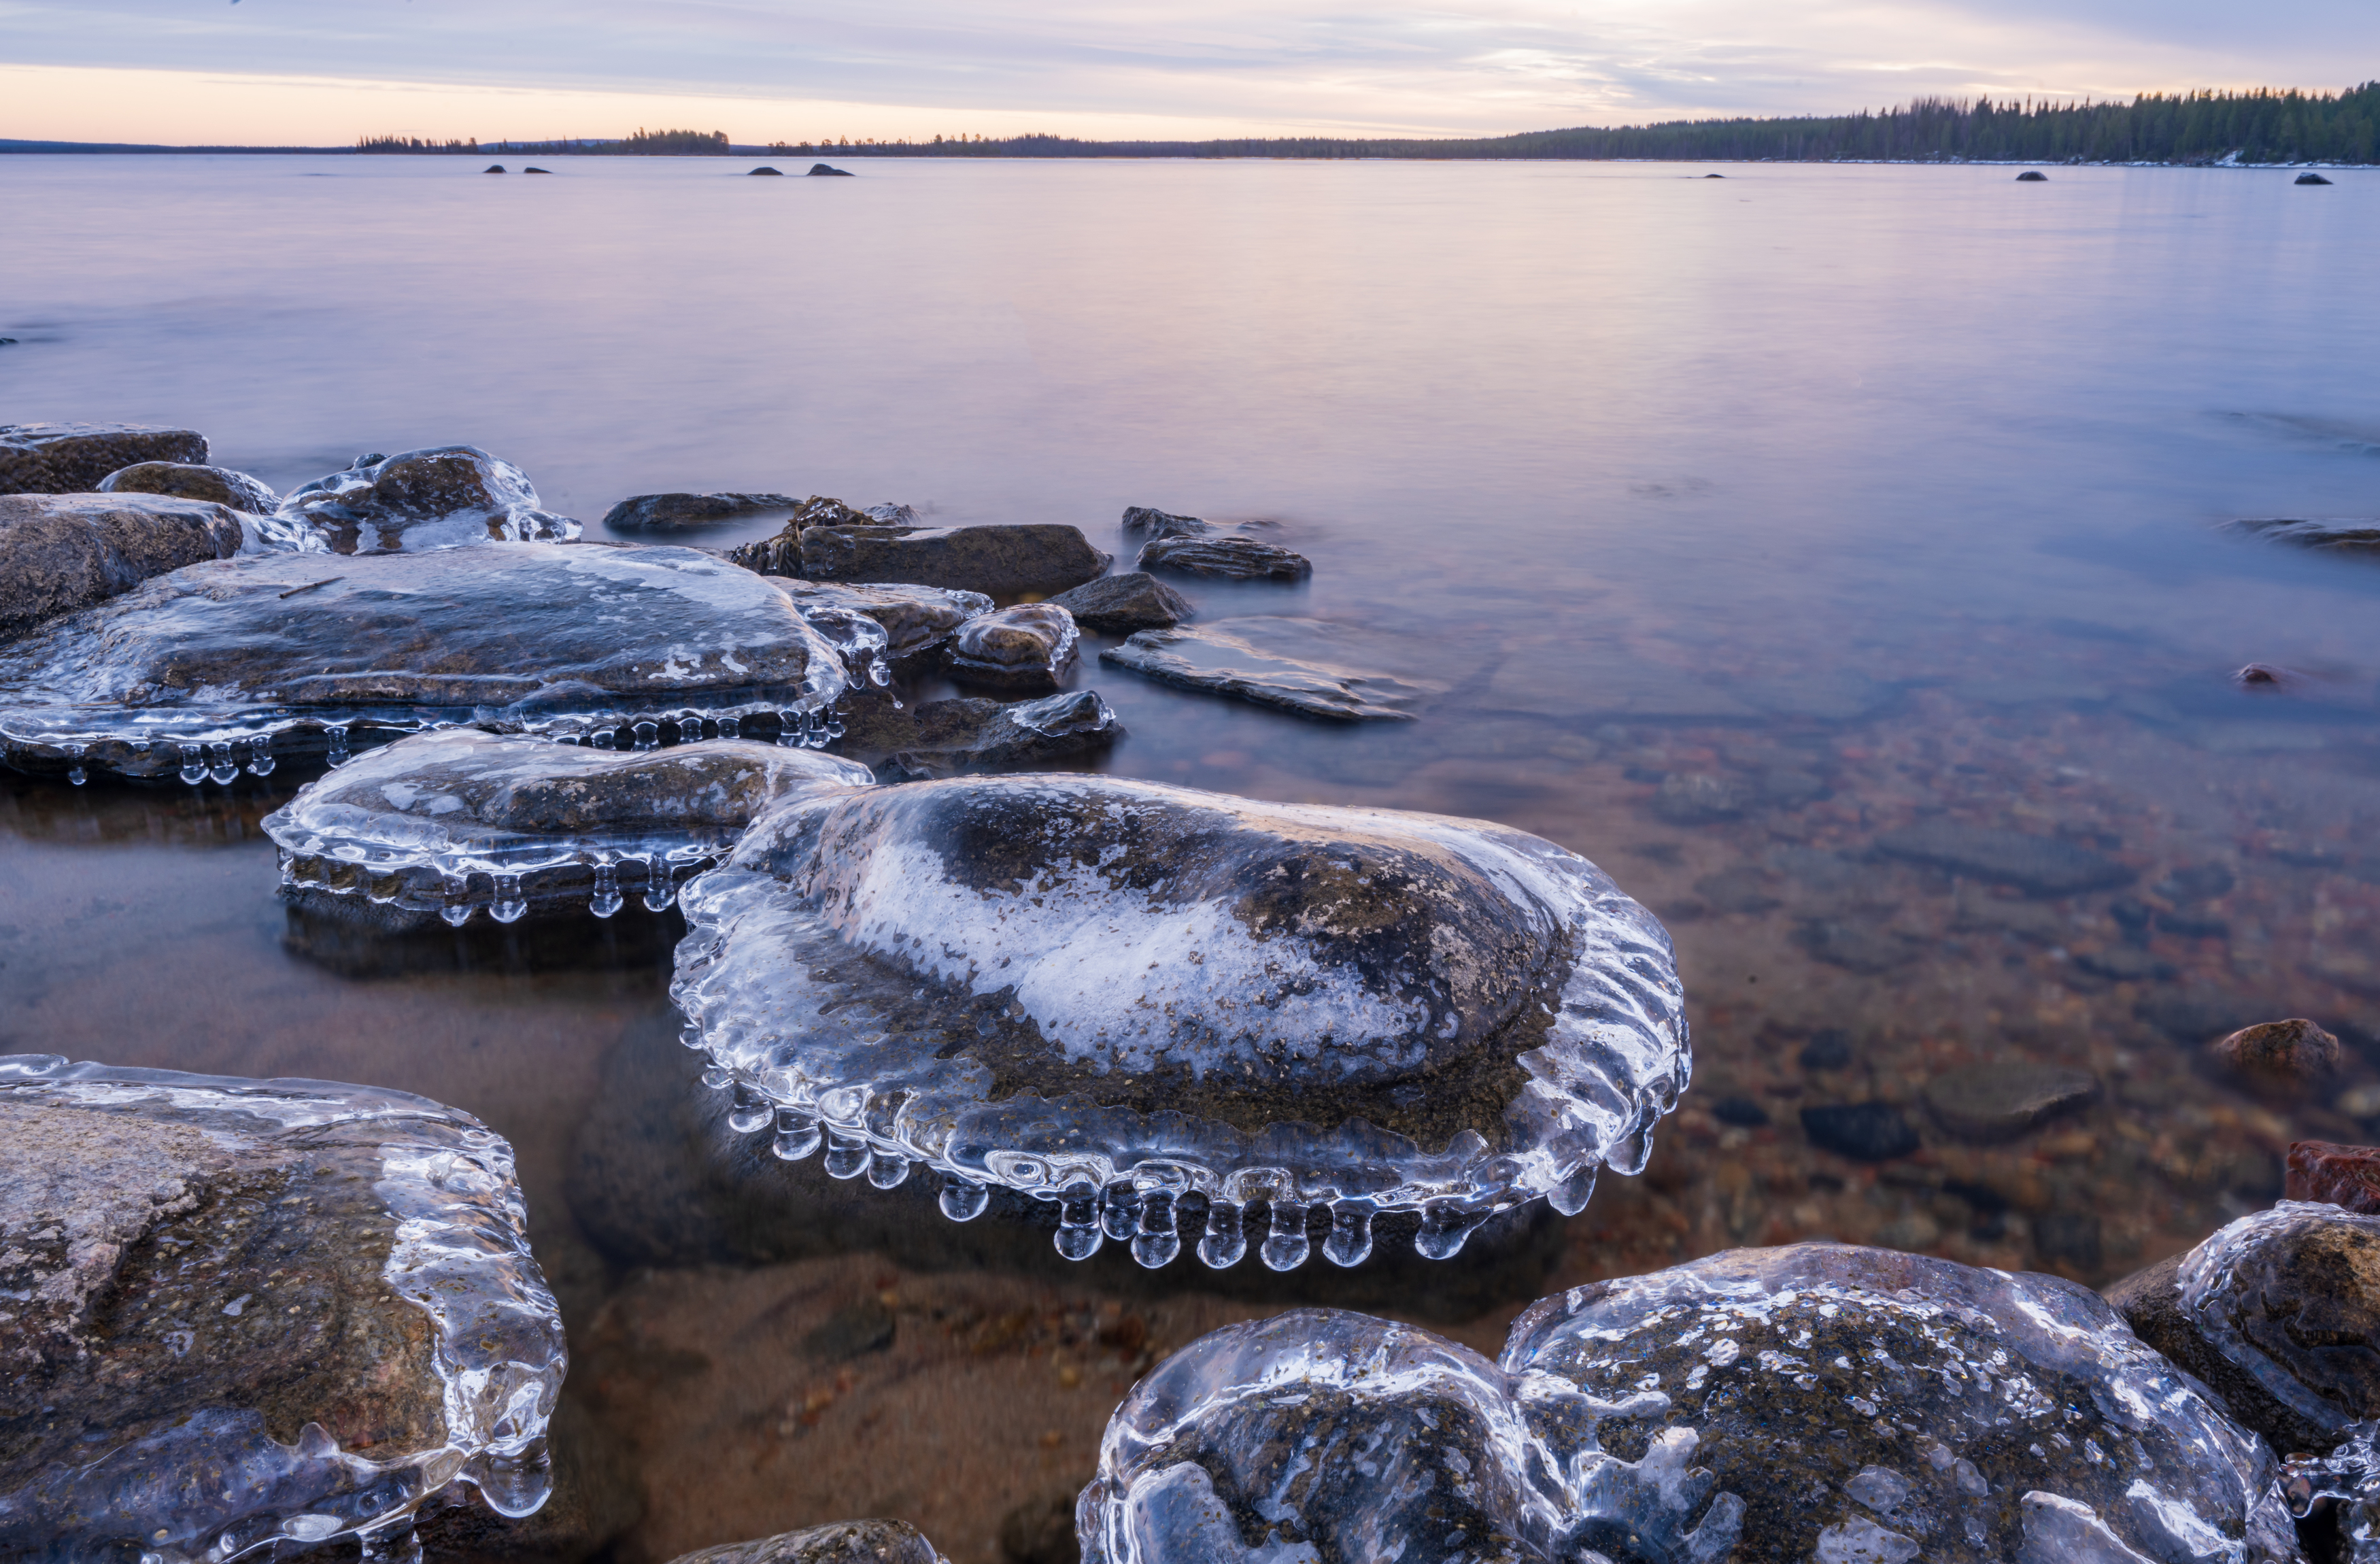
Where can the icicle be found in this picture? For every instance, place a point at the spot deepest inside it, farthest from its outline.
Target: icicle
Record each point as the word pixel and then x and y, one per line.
pixel 194 766
pixel 1444 1226
pixel 1286 1246
pixel 1350 1239
pixel 75 772
pixel 225 768
pixel 1156 1243
pixel 750 1110
pixel 1570 1196
pixel 886 1169
pixel 660 889
pixel 1120 1212
pixel 260 756
pixel 1224 1241
pixel 846 1155
pixel 457 910
pixel 728 727
pixel 1078 1222
pixel 337 734
pixel 797 1135
pixel 606 899
pixel 649 735
pixel 789 729
pixel 509 904
pixel 393 1545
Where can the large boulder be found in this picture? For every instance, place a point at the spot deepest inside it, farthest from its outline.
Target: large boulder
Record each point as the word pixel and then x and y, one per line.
pixel 257 1315
pixel 1139 1001
pixel 1310 667
pixel 1228 559
pixel 65 551
pixel 844 1542
pixel 72 458
pixel 1038 560
pixel 189 481
pixel 915 619
pixel 229 660
pixel 440 497
pixel 1118 605
pixel 669 513
pixel 1028 649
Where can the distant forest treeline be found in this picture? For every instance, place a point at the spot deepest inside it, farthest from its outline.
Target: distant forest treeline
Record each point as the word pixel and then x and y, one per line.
pixel 2263 126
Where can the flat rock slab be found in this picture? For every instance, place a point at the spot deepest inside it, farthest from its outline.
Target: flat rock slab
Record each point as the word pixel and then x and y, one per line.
pixel 296 649
pixel 1038 560
pixel 1311 667
pixel 65 551
pixel 1119 605
pixel 72 458
pixel 667 513
pixel 255 1309
pixel 2351 536
pixel 1226 559
pixel 915 619
pixel 845 1541
pixel 1997 1102
pixel 441 497
pixel 189 481
pixel 2038 866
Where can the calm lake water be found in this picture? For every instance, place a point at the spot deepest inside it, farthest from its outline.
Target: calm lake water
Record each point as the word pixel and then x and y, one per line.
pixel 1741 522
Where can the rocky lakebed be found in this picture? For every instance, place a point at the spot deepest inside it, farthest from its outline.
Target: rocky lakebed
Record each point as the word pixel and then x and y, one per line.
pixel 983 1155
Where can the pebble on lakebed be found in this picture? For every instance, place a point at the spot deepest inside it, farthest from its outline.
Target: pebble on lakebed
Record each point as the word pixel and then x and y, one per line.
pixel 247 1316
pixel 1817 1401
pixel 1136 1000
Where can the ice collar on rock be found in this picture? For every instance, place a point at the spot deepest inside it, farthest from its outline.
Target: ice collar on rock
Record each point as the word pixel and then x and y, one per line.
pixel 442 497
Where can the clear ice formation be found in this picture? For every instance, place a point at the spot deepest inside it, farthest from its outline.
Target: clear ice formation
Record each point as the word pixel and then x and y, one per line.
pixel 915 619
pixel 1311 667
pixel 2224 1287
pixel 1173 1013
pixel 214 1485
pixel 442 497
pixel 1820 1402
pixel 1029 647
pixel 450 822
pixel 2347 1479
pixel 242 661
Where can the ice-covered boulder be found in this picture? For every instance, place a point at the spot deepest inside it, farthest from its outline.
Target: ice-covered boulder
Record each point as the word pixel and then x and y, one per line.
pixel 915 619
pixel 1228 559
pixel 1161 1007
pixel 449 822
pixel 1026 650
pixel 233 661
pixel 441 497
pixel 249 1316
pixel 1818 1402
pixel 1036 559
pixel 1311 667
pixel 187 481
pixel 843 1541
pixel 72 458
pixel 669 513
pixel 59 552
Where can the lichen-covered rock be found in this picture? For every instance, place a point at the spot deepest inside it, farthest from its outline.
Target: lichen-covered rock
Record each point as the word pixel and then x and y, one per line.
pixel 844 1542
pixel 65 551
pixel 1145 521
pixel 1135 999
pixel 1005 562
pixel 441 497
pixel 1025 649
pixel 942 738
pixel 1310 667
pixel 449 822
pixel 915 619
pixel 238 659
pixel 1228 559
pixel 668 513
pixel 1118 605
pixel 72 458
pixel 244 1314
pixel 223 485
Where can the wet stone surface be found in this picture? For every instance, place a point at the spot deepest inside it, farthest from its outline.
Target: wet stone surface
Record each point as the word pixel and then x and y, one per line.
pixel 438 497
pixel 844 1542
pixel 1985 1103
pixel 1227 559
pixel 2347 1176
pixel 668 513
pixel 942 738
pixel 189 481
pixel 1028 649
pixel 915 619
pixel 1119 605
pixel 1036 559
pixel 2335 536
pixel 1309 667
pixel 1147 521
pixel 67 552
pixel 62 459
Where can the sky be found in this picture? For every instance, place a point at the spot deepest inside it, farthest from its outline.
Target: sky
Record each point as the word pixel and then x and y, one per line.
pixel 323 72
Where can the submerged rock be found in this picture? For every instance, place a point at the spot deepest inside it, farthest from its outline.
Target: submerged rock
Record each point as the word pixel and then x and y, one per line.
pixel 185 481
pixel 667 513
pixel 1865 1132
pixel 915 619
pixel 1144 521
pixel 2285 1058
pixel 1230 559
pixel 441 497
pixel 1006 562
pixel 1998 1102
pixel 73 458
pixel 843 1541
pixel 2354 537
pixel 65 551
pixel 1308 666
pixel 2348 1176
pixel 254 1315
pixel 942 738
pixel 450 822
pixel 1118 605
pixel 2038 866
pixel 236 661
pixel 1812 1403
pixel 1023 649
pixel 1137 1000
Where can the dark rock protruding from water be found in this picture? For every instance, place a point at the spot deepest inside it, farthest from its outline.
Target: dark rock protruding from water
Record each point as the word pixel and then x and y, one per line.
pixel 72 458
pixel 781 555
pixel 493 168
pixel 1119 605
pixel 1144 521
pixel 65 551
pixel 819 170
pixel 1985 1103
pixel 764 170
pixel 942 738
pixel 1227 559
pixel 2038 866
pixel 536 170
pixel 2346 1176
pixel 1027 650
pixel 1311 667
pixel 243 1310
pixel 2345 537
pixel 2031 177
pixel 1865 1132
pixel 2310 177
pixel 915 619
pixel 433 498
pixel 843 1541
pixel 667 513
pixel 1036 559
pixel 222 485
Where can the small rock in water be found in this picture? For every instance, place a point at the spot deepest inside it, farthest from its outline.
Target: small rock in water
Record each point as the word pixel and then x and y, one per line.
pixel 1865 1132
pixel 778 171
pixel 248 1309
pixel 844 1542
pixel 493 168
pixel 2039 865
pixel 67 552
pixel 1997 1102
pixel 1741 1112
pixel 2346 1176
pixel 667 513
pixel 1119 605
pixel 943 739
pixel 1307 666
pixel 73 458
pixel 1023 649
pixel 1855 945
pixel 2031 177
pixel 1147 522
pixel 819 169
pixel 2310 178
pixel 915 619
pixel 1230 559
pixel 1697 799
pixel 2200 882
pixel 535 170
pixel 2352 537
pixel 1038 559
pixel 222 485
pixel 437 498
pixel 2286 1057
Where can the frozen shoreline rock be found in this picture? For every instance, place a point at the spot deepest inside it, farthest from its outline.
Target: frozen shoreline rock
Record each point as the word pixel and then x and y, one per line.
pixel 213 665
pixel 72 458
pixel 1227 558
pixel 1118 605
pixel 942 738
pixel 188 482
pixel 915 619
pixel 1136 1000
pixel 66 551
pixel 1026 650
pixel 1005 562
pixel 441 497
pixel 450 822
pixel 668 513
pixel 843 1541
pixel 258 1314
pixel 1305 666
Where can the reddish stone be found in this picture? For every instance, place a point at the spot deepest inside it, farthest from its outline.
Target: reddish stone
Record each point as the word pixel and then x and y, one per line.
pixel 2334 1175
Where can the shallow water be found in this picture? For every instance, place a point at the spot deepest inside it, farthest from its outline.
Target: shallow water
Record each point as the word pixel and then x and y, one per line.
pixel 1730 523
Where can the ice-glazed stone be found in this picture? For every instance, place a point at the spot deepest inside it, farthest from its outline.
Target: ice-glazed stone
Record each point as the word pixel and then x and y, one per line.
pixel 1162 1007
pixel 72 458
pixel 59 552
pixel 245 1317
pixel 1026 650
pixel 452 821
pixel 190 481
pixel 442 497
pixel 915 619
pixel 844 1542
pixel 668 513
pixel 1311 667
pixel 1230 559
pixel 781 555
pixel 2343 1486
pixel 942 738
pixel 234 661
